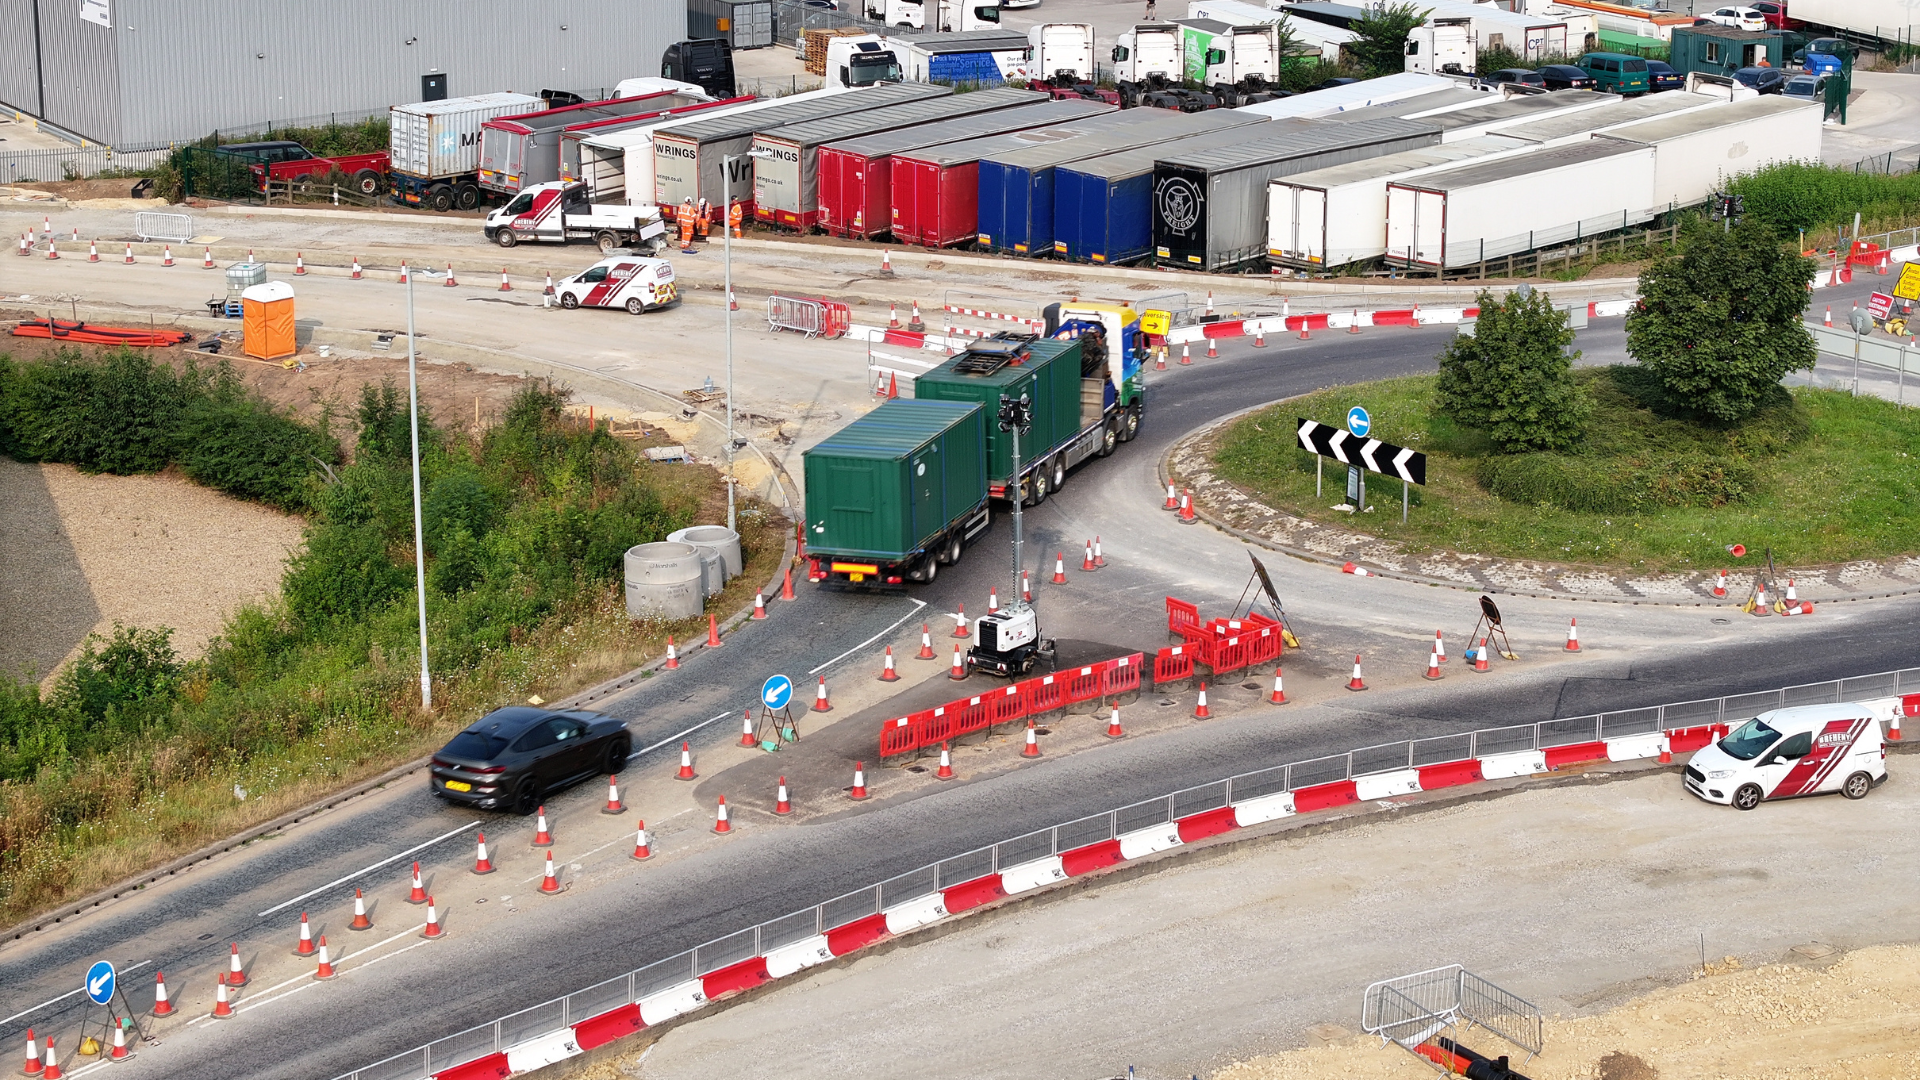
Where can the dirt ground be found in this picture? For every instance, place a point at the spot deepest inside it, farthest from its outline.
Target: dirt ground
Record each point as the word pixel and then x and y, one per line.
pixel 1826 1017
pixel 75 190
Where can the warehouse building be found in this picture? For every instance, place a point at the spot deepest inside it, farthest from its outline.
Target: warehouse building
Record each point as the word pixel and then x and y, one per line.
pixel 139 72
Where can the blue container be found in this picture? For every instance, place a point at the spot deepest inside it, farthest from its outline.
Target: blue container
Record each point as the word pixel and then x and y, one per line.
pixel 1103 206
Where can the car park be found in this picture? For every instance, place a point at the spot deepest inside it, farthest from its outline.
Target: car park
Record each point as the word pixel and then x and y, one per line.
pixel 1616 73
pixel 1765 80
pixel 1804 750
pixel 1514 77
pixel 1661 76
pixel 634 282
pixel 1740 18
pixel 512 758
pixel 1566 77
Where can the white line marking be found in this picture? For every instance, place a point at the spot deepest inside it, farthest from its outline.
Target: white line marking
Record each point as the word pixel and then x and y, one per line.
pixel 682 735
pixel 311 981
pixel 917 605
pixel 369 869
pixel 68 994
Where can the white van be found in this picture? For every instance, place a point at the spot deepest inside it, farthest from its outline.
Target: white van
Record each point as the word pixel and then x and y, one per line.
pixel 1805 750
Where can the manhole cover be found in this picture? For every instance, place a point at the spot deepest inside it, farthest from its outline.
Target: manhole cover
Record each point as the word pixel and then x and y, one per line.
pixel 916 768
pixel 1043 731
pixel 206 937
pixel 1166 702
pixel 1251 686
pixel 1723 622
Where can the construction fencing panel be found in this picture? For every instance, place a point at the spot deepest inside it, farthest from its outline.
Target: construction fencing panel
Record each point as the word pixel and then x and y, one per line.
pixel 75 163
pixel 1018 701
pixel 811 316
pixel 1413 1008
pixel 150 225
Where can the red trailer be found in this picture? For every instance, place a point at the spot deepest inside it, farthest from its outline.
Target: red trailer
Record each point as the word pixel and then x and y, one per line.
pixel 936 191
pixel 855 176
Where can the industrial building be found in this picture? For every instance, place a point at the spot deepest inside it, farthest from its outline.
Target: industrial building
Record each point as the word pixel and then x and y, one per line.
pixel 133 73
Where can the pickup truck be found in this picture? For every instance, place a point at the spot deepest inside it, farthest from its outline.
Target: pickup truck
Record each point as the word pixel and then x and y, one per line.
pixel 285 162
pixel 558 212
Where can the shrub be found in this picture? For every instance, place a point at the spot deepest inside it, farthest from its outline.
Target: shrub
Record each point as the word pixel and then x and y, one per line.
pixel 1806 195
pixel 1512 378
pixel 1596 485
pixel 344 573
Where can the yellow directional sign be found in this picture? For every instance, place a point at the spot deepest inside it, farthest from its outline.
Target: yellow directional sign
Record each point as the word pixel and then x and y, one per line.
pixel 1158 323
pixel 1908 287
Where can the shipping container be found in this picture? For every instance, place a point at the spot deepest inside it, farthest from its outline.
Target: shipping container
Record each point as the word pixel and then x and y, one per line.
pixel 897 489
pixel 1554 195
pixel 1696 153
pixel 786 188
pixel 520 151
pixel 1210 207
pixel 1499 116
pixel 1103 206
pixel 745 24
pixel 856 176
pixel 1331 217
pixel 617 165
pixel 687 156
pixel 435 146
pixel 1049 376
pixel 1359 95
pixel 1016 188
pixel 1580 125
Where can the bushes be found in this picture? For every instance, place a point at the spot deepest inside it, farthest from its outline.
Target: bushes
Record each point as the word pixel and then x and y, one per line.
pixel 1605 485
pixel 1805 195
pixel 1512 378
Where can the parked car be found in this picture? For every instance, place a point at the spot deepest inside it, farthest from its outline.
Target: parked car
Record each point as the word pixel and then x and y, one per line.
pixel 1740 18
pixel 1766 80
pixel 511 758
pixel 1661 76
pixel 1616 73
pixel 1514 76
pixel 284 161
pixel 1806 86
pixel 634 282
pixel 1775 12
pixel 1565 77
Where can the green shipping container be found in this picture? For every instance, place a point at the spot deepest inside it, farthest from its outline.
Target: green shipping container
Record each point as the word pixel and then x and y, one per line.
pixel 1047 371
pixel 883 487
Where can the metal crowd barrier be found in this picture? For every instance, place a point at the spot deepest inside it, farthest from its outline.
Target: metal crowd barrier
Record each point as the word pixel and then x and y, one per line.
pixel 151 225
pixel 812 316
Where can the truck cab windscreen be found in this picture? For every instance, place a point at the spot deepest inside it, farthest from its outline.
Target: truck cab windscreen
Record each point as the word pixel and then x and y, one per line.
pixel 865 70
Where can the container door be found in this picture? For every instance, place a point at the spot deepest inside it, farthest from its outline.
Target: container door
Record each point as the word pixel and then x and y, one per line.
pixel 1310 225
pixel 927 483
pixel 1429 227
pixel 853 499
pixel 755 28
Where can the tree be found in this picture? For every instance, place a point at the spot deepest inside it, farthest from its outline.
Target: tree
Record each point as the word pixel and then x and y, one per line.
pixel 1718 323
pixel 1382 47
pixel 1512 378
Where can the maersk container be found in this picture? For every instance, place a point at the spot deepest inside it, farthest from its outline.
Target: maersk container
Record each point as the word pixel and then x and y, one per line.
pixel 435 140
pixel 1103 207
pixel 1016 188
pixel 786 184
pixel 688 157
pixel 1696 153
pixel 1049 376
pixel 889 492
pixel 1464 216
pixel 1331 217
pixel 1210 206
pixel 856 176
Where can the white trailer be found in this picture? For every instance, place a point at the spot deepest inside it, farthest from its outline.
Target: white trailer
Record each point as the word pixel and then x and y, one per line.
pixel 1581 124
pixel 1063 51
pixel 1338 215
pixel 978 58
pixel 1501 116
pixel 1891 20
pixel 1696 153
pixel 950 16
pixel 617 166
pixel 1557 195
pixel 1532 37
pixel 1359 95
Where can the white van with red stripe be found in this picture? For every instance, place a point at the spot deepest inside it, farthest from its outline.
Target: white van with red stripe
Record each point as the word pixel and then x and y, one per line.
pixel 1804 750
pixel 633 282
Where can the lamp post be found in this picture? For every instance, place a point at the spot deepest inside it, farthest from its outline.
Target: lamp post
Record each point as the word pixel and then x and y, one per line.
pixel 419 541
pixel 726 244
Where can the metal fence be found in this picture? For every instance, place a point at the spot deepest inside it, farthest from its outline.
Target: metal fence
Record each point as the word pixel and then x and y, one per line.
pixel 74 162
pixel 1892 163
pixel 1413 1008
pixel 422 1062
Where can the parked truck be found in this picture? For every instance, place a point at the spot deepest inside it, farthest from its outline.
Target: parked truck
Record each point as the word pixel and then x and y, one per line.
pixel 558 212
pixel 862 60
pixel 1062 53
pixel 1443 47
pixel 434 147
pixel 704 62
pixel 519 151
pixel 1149 52
pixel 900 492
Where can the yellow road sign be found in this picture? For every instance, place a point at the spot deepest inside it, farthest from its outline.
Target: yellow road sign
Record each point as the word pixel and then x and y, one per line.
pixel 1908 287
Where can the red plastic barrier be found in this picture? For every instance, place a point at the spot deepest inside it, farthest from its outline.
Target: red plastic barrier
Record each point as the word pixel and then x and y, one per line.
pixel 1230 654
pixel 1211 823
pixel 1687 740
pixel 744 975
pixel 491 1067
pixel 1394 318
pixel 905 337
pixel 1172 664
pixel 1123 674
pixel 1179 614
pixel 900 735
pixel 1090 858
pixel 857 934
pixel 1267 646
pixel 608 1026
pixel 1573 755
pixel 935 726
pixel 1325 796
pixel 1085 684
pixel 971 894
pixel 1044 694
pixel 1909 705
pixel 1005 706
pixel 968 716
pixel 1449 774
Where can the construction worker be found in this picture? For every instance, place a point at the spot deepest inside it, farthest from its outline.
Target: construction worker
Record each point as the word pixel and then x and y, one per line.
pixel 733 218
pixel 703 219
pixel 684 218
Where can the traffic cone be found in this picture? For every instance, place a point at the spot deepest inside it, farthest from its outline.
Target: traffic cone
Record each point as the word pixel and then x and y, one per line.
pixel 76 234
pixel 325 968
pixel 299 264
pixel 1305 334
pixel 1200 710
pixel 52 1069
pixel 1209 301
pixel 720 822
pixel 1186 358
pixel 614 806
pixel 1160 359
pixel 1026 587
pixel 1032 749
pixel 548 291
pixel 450 282
pixel 1356 570
pixel 1213 349
pixel 945 771
pixel 549 884
pixel 305 947
pixel 206 258
pixel 1059 568
pixel 786 585
pixel 886 263
pixel 403 271
pixel 93 251
pixel 859 789
pixel 893 315
pixel 1173 498
pixel 781 804
pixel 542 836
pixel 1113 723
pixel 52 252
pixel 1187 516
pixel 1829 318
pixel 433 929
pixel 1720 583
pixel 1480 657
pixel 161 1006
pixel 1086 561
pixel 686 763
pixel 959 666
pixel 916 324
pixel 642 843
pixel 820 702
pixel 481 864
pixel 1358 682
pixel 236 975
pixel 960 621
pixel 356 268
pixel 713 632
pixel 222 1010
pixel 1279 695
pixel 26 246
pixel 887 674
pixel 1099 560
pixel 1666 750
pixel 746 730
pixel 119 1051
pixel 814 573
pixel 1260 336
pixel 993 599
pixel 1573 635
pixel 1433 666
pixel 417 894
pixel 507 286
pixel 166 259
pixel 759 606
pixel 33 1065
pixel 1439 647
pixel 360 919
pixel 1893 730
pixel 1354 326
pixel 926 644
pixel 46 227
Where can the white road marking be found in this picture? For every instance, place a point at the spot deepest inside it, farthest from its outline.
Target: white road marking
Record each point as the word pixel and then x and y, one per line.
pixel 68 994
pixel 682 735
pixel 308 978
pixel 369 869
pixel 917 605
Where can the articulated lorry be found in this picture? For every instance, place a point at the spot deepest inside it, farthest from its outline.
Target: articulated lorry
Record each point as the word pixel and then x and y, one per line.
pixel 434 147
pixel 900 492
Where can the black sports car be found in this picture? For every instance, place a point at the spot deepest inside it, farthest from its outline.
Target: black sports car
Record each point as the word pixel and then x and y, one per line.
pixel 511 758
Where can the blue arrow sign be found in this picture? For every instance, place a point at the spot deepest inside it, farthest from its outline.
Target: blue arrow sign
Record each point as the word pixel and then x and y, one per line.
pixel 776 692
pixel 1358 421
pixel 100 982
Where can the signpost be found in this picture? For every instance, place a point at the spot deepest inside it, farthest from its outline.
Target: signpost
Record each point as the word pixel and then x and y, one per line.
pixel 776 699
pixel 100 980
pixel 1908 287
pixel 1362 455
pixel 1359 423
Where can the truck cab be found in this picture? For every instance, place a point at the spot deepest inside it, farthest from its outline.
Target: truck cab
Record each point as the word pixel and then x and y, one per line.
pixel 1113 350
pixel 1443 47
pixel 861 61
pixel 1147 51
pixel 705 62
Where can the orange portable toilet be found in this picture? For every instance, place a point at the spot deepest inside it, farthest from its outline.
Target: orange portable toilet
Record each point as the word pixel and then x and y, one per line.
pixel 266 320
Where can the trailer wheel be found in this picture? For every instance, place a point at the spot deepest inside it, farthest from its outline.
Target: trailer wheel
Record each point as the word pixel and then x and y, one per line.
pixel 1038 487
pixel 440 198
pixel 466 196
pixel 609 243
pixel 635 305
pixel 1131 426
pixel 925 570
pixel 950 552
pixel 367 182
pixel 505 237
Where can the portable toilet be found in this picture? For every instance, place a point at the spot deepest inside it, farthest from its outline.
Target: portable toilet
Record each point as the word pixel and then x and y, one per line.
pixel 266 320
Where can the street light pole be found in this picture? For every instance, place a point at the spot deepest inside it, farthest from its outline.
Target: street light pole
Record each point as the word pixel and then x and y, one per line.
pixel 419 542
pixel 726 246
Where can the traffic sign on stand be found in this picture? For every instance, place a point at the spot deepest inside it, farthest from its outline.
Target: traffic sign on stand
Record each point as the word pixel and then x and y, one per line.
pixel 776 719
pixel 1359 422
pixel 776 692
pixel 1908 287
pixel 1359 453
pixel 100 982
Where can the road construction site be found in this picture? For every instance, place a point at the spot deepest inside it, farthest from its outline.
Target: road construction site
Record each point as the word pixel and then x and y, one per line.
pixel 505 952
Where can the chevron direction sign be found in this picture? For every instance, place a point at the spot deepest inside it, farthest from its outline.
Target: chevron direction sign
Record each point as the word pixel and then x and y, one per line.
pixel 1369 454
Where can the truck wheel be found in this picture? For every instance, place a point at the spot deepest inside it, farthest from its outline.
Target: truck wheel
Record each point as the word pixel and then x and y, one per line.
pixel 439 198
pixel 1038 486
pixel 569 301
pixel 1747 797
pixel 1110 438
pixel 505 237
pixel 466 196
pixel 367 182
pixel 635 305
pixel 1857 786
pixel 927 569
pixel 1059 472
pixel 609 243
pixel 950 553
pixel 1131 426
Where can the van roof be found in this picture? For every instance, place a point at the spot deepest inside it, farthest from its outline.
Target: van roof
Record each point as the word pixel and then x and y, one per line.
pixel 1804 717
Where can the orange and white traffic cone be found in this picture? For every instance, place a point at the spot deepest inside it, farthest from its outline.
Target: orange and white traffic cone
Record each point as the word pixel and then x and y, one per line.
pixel 1358 681
pixel 482 864
pixel 1114 731
pixel 1099 560
pixel 1828 321
pixel 1260 335
pixel 1719 583
pixel 549 883
pixel 916 324
pixel 433 929
pixel 206 258
pixel 324 970
pixel 1200 710
pixel 887 674
pixel 713 633
pixel 222 1010
pixel 1026 587
pixel 542 836
pixel 1439 647
pixel 960 621
pixel 720 822
pixel 93 251
pixel 305 946
pixel 820 702
pixel 642 843
pixel 1433 666
pixel 1354 326
pixel 893 315
pixel 33 1066
pixel 1573 635
pixel 236 975
pixel 1173 498
pixel 1187 516
pixel 732 304
pixel 786 585
pixel 53 252
pixel 360 919
pixel 959 671
pixel 161 1006
pixel 614 805
pixel 781 804
pixel 945 771
pixel 1213 349
pixel 450 282
pixel 886 263
pixel 1186 357
pixel 1666 750
pixel 119 1051
pixel 746 730
pixel 166 257
pixel 673 657
pixel 686 763
pixel 299 264
pixel 1032 749
pixel 759 606
pixel 403 271
pixel 1160 359
pixel 505 285
pixel 1059 568
pixel 1893 729
pixel 1279 695
pixel 356 268
pixel 993 599
pixel 859 789
pixel 926 644
pixel 1086 561
pixel 1480 657
pixel 51 1071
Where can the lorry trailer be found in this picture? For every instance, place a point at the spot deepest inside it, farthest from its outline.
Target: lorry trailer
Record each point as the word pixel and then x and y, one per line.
pixel 617 166
pixel 519 151
pixel 974 58
pixel 936 189
pixel 572 166
pixel 1498 116
pixel 1358 95
pixel 1696 153
pixel 434 147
